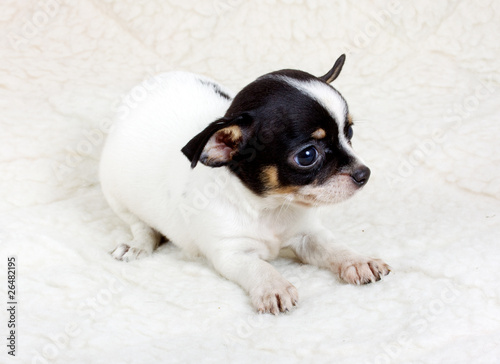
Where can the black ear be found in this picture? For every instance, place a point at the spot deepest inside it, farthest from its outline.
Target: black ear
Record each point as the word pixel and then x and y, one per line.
pixel 216 145
pixel 335 71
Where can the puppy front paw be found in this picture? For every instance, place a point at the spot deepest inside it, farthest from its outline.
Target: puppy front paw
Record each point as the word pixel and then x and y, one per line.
pixel 128 253
pixel 275 297
pixel 363 271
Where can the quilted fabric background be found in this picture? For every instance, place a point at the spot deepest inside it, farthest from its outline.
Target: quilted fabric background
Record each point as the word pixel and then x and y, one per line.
pixel 422 81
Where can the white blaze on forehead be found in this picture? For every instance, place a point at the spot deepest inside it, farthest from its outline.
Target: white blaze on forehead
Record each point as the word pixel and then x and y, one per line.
pixel 327 97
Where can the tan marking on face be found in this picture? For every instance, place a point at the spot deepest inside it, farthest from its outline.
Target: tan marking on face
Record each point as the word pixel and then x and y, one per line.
pixel 349 119
pixel 286 190
pixel 319 134
pixel 269 177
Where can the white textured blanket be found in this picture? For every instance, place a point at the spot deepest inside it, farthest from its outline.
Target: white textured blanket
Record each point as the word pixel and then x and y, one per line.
pixel 422 80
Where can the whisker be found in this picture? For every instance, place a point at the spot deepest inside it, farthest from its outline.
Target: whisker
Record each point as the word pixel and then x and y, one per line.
pixel 356 122
pixel 287 203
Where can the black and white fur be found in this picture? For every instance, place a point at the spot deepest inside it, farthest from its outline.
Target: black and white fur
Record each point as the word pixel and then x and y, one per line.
pixel 238 179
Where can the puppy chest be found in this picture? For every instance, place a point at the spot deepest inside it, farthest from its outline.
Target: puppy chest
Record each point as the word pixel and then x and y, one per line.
pixel 272 231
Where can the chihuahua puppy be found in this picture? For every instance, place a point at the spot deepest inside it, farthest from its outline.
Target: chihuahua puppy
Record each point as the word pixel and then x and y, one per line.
pixel 236 179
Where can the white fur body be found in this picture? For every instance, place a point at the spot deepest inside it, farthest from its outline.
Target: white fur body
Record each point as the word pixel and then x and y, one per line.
pixel 150 184
pixel 144 172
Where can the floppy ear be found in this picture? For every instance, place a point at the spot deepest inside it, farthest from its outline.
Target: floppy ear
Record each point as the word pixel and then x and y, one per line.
pixel 335 71
pixel 216 145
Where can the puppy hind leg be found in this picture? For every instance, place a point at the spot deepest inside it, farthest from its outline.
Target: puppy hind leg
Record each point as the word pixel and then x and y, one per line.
pixel 145 239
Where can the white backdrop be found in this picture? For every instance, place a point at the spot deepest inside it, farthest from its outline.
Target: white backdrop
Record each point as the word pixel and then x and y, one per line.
pixel 422 81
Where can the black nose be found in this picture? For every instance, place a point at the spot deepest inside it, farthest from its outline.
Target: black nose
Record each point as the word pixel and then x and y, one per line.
pixel 360 175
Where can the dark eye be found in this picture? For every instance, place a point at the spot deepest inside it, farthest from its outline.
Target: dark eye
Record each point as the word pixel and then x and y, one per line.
pixel 349 132
pixel 306 157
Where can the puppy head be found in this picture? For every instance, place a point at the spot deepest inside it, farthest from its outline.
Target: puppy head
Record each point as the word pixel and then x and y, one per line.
pixel 286 134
